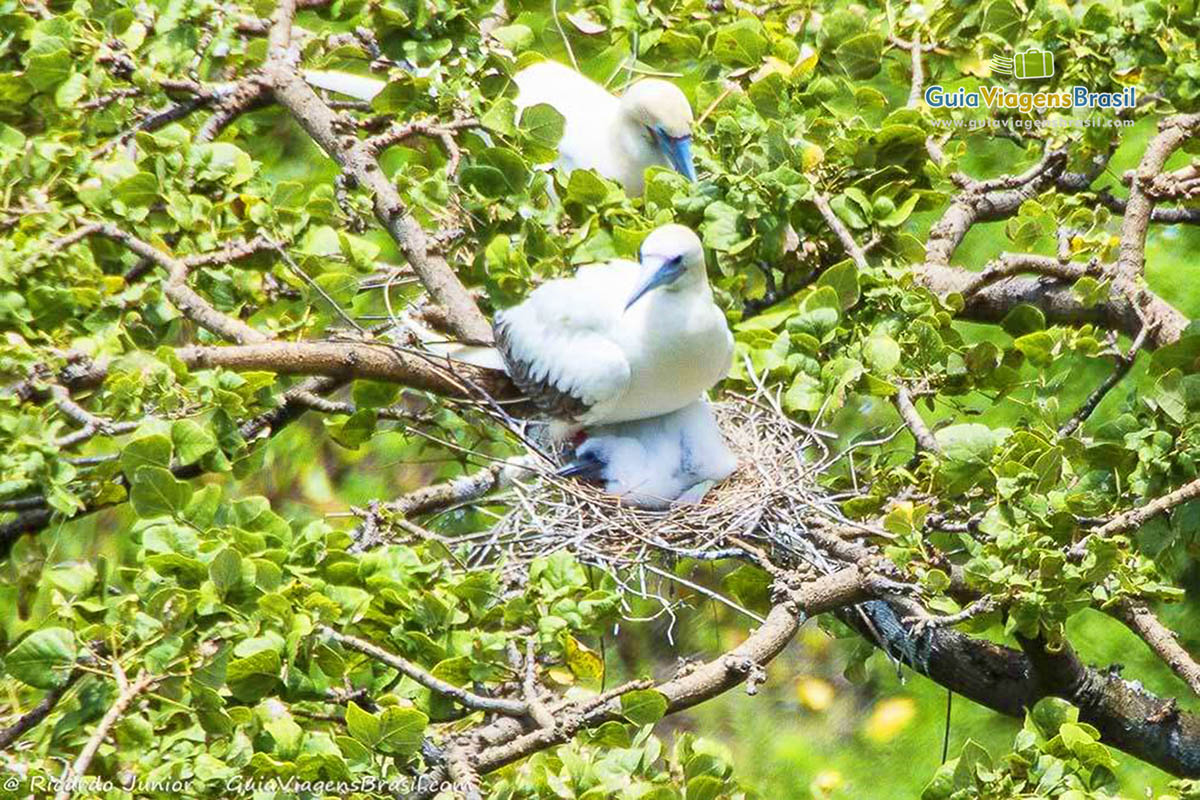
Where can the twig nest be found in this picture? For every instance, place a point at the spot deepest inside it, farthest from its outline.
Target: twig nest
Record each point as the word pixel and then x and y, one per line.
pixel 772 497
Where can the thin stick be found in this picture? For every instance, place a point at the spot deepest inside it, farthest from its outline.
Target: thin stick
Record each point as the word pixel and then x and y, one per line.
pixel 72 773
pixel 499 705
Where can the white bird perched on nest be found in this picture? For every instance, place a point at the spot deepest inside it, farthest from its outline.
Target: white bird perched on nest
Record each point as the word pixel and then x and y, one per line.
pixel 622 340
pixel 652 463
pixel 649 125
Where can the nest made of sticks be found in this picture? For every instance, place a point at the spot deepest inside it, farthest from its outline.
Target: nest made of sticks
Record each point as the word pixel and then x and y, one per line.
pixel 772 499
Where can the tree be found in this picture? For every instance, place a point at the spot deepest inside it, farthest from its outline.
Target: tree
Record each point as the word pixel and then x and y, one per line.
pixel 200 251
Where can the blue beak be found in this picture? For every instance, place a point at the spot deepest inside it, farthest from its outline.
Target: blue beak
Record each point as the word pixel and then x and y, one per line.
pixel 667 273
pixel 678 152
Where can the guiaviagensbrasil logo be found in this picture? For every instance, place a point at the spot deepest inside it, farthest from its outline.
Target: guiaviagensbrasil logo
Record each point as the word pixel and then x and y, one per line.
pixel 1028 65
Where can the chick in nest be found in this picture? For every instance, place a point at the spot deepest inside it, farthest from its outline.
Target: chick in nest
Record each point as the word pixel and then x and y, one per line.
pixel 652 463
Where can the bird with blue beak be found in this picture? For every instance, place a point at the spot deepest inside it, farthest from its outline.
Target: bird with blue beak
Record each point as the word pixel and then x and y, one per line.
pixel 621 340
pixel 649 125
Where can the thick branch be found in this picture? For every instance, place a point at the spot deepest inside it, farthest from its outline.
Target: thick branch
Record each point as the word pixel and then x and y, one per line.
pixel 351 360
pixel 1010 264
pixel 997 677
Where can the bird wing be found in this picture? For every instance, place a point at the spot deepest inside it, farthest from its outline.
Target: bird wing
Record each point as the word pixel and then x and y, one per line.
pixel 574 95
pixel 559 345
pixel 588 110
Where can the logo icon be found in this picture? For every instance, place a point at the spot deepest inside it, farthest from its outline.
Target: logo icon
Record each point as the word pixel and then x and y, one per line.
pixel 1029 65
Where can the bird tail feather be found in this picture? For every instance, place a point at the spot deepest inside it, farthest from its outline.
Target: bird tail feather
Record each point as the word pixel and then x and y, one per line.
pixel 357 86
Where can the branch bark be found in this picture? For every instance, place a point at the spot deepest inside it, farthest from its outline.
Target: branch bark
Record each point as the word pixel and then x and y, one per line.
pixel 499 705
pixel 356 158
pixel 1173 132
pixel 1161 639
pixel 128 694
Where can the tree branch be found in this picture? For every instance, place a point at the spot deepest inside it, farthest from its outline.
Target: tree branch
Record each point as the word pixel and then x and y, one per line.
pixel 1161 639
pixel 189 303
pixel 498 705
pixel 1124 364
pixel 1010 264
pixel 1173 132
pixel 349 360
pixel 355 156
pixel 79 768
pixel 912 418
pixel 997 677
pixel 38 712
pixel 838 589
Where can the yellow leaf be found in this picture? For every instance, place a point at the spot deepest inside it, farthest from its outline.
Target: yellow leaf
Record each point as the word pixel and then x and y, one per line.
pixel 815 694
pixel 889 718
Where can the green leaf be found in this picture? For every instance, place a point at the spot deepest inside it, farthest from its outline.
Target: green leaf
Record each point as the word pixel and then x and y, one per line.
pixel 148 451
pixel 1051 713
pixel 192 442
pixel 225 570
pixel 842 278
pixel 353 431
pixel 861 56
pixel 43 659
pixel 514 37
pixel 644 706
pixel 70 90
pixel 137 190
pixel 720 230
pixel 586 188
pixel 253 677
pixel 1002 18
pixel 881 353
pixel 1023 319
pixel 395 730
pixel 397 96
pixel 501 117
pixel 156 492
pixel 543 124
pixel 48 63
pixel 741 44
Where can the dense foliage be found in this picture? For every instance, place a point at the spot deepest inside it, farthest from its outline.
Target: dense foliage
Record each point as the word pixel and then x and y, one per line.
pixel 178 558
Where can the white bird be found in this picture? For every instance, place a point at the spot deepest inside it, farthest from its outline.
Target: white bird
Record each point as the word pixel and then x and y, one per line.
pixel 653 462
pixel 621 340
pixel 650 124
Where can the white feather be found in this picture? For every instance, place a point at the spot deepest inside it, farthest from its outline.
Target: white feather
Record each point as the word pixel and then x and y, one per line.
pixel 598 133
pixel 652 358
pixel 652 462
pixel 357 86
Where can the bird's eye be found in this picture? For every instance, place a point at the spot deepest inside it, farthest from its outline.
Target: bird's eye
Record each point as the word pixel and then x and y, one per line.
pixel 675 261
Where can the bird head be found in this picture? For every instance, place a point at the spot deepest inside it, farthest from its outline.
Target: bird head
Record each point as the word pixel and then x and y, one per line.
pixel 660 108
pixel 671 257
